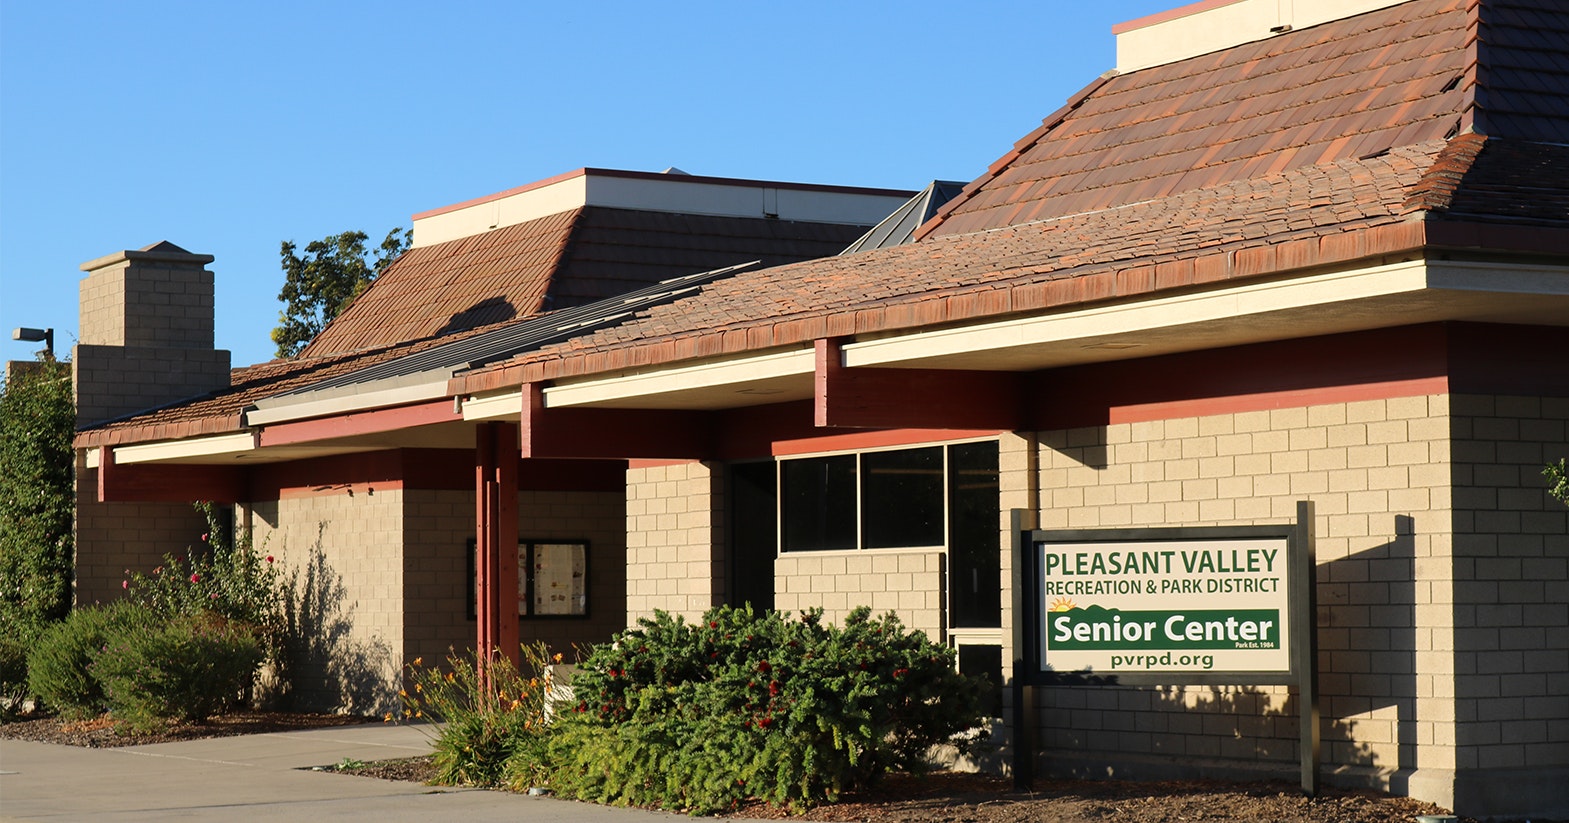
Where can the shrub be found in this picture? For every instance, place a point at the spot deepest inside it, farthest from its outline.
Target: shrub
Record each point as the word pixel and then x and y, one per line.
pixel 482 724
pixel 14 644
pixel 37 502
pixel 234 581
pixel 189 669
pixel 59 666
pixel 793 712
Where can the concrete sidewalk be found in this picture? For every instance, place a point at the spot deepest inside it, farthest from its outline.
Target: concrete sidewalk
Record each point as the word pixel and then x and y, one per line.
pixel 258 778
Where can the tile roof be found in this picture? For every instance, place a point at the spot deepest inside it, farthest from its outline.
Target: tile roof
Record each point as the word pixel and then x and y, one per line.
pixel 1340 211
pixel 567 259
pixel 1350 158
pixel 220 412
pixel 1341 90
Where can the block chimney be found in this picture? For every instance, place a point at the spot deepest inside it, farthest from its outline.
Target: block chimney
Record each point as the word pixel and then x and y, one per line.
pixel 146 333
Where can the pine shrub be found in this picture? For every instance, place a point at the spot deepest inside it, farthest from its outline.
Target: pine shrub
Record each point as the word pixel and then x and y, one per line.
pixel 793 712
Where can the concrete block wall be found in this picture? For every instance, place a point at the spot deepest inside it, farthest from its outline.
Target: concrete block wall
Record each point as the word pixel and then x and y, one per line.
pixel 112 381
pixel 675 529
pixel 146 333
pixel 159 297
pixel 1378 472
pixel 439 526
pixel 114 537
pixel 907 583
pixel 1510 605
pixel 600 518
pixel 343 554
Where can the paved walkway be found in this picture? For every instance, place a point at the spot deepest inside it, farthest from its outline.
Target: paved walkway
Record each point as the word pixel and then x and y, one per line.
pixel 258 778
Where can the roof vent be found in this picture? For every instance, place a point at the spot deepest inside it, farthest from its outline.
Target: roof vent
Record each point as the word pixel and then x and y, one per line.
pixel 1280 29
pixel 674 170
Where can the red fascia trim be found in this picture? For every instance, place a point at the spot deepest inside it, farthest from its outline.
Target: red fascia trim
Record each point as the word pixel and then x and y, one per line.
pixel 1171 14
pixel 537 184
pixel 1267 401
pixel 354 423
pixel 1371 365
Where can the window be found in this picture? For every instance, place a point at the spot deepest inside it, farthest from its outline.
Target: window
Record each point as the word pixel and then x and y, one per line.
pixel 552 579
pixel 937 497
pixel 817 503
pixel 895 499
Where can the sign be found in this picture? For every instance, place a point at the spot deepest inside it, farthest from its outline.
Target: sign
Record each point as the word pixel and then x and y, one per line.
pixel 1200 605
pixel 1172 605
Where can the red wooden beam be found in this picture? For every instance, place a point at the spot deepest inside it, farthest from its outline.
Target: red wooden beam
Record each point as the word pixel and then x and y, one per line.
pixel 879 398
pixel 350 424
pixel 496 543
pixel 164 483
pixel 614 434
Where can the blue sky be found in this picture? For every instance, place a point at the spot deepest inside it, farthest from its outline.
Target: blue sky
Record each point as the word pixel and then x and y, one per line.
pixel 226 128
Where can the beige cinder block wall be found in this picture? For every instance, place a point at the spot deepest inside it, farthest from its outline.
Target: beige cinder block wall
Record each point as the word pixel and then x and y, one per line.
pixel 146 340
pixel 112 538
pixel 1510 606
pixel 440 525
pixel 907 583
pixel 675 533
pixel 1378 473
pixel 342 554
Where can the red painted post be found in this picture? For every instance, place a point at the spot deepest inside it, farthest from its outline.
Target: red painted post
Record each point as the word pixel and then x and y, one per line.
pixel 496 539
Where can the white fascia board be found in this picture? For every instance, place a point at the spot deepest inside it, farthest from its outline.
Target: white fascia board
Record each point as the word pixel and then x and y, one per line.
pixel 1418 282
pixel 504 406
pixel 706 375
pixel 182 449
pixel 278 410
pixel 1144 315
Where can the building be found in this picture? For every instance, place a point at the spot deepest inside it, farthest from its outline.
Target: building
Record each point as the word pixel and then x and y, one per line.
pixel 1318 252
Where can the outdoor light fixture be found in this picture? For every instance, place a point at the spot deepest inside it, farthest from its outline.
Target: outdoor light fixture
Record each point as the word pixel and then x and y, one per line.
pixel 34 336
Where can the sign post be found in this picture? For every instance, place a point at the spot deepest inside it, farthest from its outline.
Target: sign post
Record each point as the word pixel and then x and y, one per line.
pixel 1223 605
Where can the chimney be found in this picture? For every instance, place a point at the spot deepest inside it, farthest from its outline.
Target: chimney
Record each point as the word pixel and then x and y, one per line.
pixel 146 333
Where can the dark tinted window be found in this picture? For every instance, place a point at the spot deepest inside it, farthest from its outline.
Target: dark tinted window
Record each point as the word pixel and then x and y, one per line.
pixel 901 498
pixel 817 501
pixel 974 536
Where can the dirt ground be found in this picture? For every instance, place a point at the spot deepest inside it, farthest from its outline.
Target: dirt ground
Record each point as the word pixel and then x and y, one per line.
pixel 943 797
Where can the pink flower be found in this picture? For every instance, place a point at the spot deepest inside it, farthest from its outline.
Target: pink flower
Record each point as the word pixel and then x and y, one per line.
pixel 195 578
pixel 213 596
pixel 125 584
pixel 205 536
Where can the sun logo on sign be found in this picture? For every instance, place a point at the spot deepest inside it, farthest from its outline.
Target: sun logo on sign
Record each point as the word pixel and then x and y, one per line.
pixel 1063 604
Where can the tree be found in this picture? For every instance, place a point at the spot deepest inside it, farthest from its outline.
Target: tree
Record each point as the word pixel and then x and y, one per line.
pixel 321 283
pixel 37 503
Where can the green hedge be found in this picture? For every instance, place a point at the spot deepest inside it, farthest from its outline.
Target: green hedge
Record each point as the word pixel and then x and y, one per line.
pixel 794 712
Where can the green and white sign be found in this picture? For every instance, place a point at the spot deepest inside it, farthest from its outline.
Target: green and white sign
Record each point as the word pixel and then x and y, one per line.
pixel 1165 606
